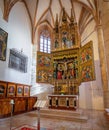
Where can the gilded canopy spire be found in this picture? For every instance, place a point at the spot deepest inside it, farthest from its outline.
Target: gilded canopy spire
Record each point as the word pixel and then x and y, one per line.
pixel 72 18
pixel 64 18
pixel 57 24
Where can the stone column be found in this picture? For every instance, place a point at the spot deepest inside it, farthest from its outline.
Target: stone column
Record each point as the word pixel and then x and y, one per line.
pixel 103 64
pixel 104 9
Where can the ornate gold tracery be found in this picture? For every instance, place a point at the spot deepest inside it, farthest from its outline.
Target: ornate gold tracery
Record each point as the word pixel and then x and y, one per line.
pixel 66 36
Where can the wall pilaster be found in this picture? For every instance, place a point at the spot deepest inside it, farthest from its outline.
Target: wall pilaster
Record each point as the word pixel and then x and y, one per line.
pixel 103 65
pixel 104 8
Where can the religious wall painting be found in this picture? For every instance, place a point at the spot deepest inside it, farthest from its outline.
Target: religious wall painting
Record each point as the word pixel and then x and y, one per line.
pixel 44 68
pixel 66 67
pixel 11 90
pixel 26 91
pixel 44 76
pixel 19 90
pixel 3 87
pixel 87 62
pixel 3 44
pixel 43 60
pixel 87 72
pixel 86 52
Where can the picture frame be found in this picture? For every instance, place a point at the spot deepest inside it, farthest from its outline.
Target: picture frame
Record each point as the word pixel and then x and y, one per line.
pixel 18 61
pixel 3 87
pixel 3 44
pixel 19 90
pixel 44 67
pixel 87 72
pixel 86 53
pixel 26 90
pixel 11 90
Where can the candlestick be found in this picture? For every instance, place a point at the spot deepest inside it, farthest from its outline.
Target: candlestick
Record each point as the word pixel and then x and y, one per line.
pixel 12 101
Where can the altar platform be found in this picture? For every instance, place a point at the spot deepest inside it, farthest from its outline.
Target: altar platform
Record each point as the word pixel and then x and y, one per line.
pixel 69 115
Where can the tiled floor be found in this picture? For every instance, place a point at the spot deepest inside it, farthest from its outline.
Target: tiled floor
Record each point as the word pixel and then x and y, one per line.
pixel 96 121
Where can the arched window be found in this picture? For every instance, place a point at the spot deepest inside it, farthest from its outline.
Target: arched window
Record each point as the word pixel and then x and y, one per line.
pixel 45 41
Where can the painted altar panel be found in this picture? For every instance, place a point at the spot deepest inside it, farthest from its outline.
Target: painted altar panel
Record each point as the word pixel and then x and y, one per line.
pixel 66 71
pixel 44 68
pixel 66 64
pixel 87 62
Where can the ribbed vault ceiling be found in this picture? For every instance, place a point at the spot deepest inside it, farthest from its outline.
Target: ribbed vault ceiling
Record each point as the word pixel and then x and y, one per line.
pixel 44 11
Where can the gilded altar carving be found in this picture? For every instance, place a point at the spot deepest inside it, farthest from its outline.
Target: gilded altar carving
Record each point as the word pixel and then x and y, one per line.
pixel 69 63
pixel 66 36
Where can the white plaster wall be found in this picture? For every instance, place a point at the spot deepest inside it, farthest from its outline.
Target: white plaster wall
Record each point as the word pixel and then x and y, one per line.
pixel 91 93
pixel 19 36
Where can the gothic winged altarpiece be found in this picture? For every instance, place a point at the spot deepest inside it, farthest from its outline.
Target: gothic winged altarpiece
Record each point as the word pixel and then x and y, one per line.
pixel 68 64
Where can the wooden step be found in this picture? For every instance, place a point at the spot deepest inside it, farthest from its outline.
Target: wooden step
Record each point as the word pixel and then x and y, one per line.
pixel 62 112
pixel 63 115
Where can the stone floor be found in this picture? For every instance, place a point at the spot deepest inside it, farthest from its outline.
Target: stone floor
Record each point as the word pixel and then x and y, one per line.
pixel 96 121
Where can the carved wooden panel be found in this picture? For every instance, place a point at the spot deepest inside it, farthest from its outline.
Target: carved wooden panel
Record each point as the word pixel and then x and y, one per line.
pixel 21 104
pixel 5 107
pixel 53 101
pixel 62 102
pixel 31 102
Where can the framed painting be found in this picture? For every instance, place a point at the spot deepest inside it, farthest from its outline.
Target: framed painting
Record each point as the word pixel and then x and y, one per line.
pixel 19 90
pixel 87 72
pixel 86 53
pixel 87 69
pixel 27 91
pixel 44 68
pixel 3 87
pixel 18 61
pixel 11 89
pixel 3 44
